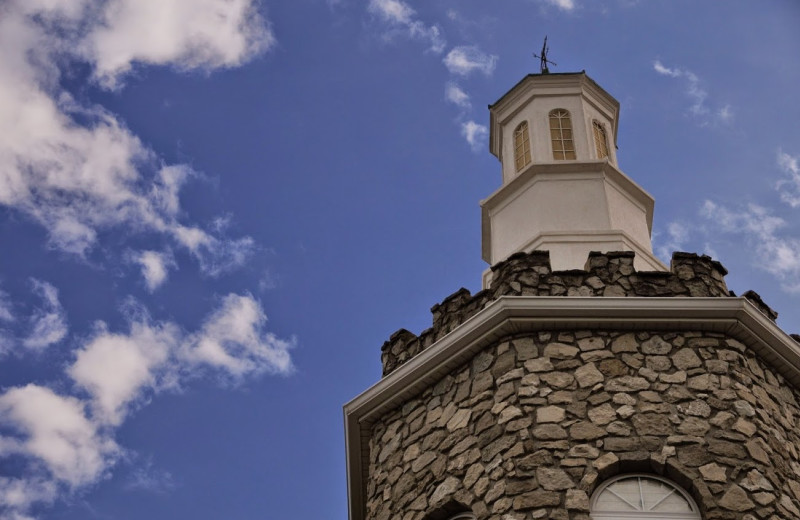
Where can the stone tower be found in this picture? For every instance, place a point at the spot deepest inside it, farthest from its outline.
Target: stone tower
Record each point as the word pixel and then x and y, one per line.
pixel 586 380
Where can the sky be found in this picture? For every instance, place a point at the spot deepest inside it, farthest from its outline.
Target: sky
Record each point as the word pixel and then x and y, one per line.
pixel 214 212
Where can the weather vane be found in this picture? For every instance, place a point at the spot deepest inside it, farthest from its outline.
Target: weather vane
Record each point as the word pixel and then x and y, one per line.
pixel 543 61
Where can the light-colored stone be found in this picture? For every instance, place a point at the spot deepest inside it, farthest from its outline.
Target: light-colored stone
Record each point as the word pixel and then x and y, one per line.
pixel 560 351
pixel 686 358
pixel 553 479
pixel 511 412
pixel 627 384
pixel 656 345
pixel 558 380
pixel 713 472
pixel 577 500
pixel 588 375
pixel 541 364
pixel 697 408
pixel 550 414
pixel 602 415
pixel 605 461
pixel 755 481
pixel 460 419
pixel 583 430
pixel 624 343
pixel 736 499
pixel 593 343
pixel 444 491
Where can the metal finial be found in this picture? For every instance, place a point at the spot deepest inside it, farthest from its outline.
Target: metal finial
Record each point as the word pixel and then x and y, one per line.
pixel 543 61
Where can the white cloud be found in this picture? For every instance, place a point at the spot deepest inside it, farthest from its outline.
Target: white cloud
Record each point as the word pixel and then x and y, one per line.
pixel 120 370
pixel 454 94
pixel 233 340
pixel 399 15
pixel 66 448
pixel 54 431
pixel 49 322
pixel 75 169
pixel 564 5
pixel 187 34
pixel 664 71
pixel 475 134
pixel 116 368
pixel 155 268
pixel 778 255
pixel 789 188
pixel 465 59
pixel 698 96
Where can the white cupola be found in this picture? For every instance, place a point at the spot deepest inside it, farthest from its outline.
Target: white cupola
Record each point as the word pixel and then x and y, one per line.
pixel 555 136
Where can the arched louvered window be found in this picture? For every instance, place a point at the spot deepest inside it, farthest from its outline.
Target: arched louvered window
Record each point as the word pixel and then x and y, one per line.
pixel 642 497
pixel 522 146
pixel 600 140
pixel 561 135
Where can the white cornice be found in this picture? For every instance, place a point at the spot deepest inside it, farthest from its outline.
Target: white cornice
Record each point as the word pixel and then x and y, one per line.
pixel 736 317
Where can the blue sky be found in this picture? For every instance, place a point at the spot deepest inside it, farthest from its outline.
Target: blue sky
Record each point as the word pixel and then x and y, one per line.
pixel 214 212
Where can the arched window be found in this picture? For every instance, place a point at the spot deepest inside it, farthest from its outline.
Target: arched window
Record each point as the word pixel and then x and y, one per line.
pixel 642 497
pixel 463 516
pixel 561 135
pixel 600 140
pixel 522 146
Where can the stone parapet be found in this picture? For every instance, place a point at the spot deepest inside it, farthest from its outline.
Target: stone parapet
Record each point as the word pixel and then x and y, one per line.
pixel 529 427
pixel 529 274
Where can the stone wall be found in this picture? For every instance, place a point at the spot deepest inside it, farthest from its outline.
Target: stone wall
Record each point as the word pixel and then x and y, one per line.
pixel 529 274
pixel 531 426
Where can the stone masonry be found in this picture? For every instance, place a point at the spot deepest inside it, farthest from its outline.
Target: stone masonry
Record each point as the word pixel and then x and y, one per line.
pixel 529 274
pixel 534 423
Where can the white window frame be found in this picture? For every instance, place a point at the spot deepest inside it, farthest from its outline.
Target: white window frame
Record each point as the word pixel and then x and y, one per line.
pixel 643 515
pixel 462 516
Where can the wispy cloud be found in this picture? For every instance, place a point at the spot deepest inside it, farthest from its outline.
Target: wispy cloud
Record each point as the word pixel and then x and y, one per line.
pixel 789 188
pixel 776 254
pixel 461 61
pixel 454 94
pixel 676 238
pixel 698 95
pixel 147 477
pixel 564 5
pixel 75 168
pixel 475 134
pixel 466 59
pixel 48 322
pixel 6 313
pixel 398 15
pixel 155 267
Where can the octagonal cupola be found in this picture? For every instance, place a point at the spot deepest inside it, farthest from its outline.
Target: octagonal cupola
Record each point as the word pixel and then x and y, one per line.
pixel 562 191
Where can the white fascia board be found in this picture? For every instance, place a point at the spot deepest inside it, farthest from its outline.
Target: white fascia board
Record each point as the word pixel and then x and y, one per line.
pixel 736 317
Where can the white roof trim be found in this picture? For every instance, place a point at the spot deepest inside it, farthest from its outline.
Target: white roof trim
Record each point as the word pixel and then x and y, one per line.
pixel 736 317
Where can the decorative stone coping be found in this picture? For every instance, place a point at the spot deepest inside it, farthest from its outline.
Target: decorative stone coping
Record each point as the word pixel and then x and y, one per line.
pixel 605 274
